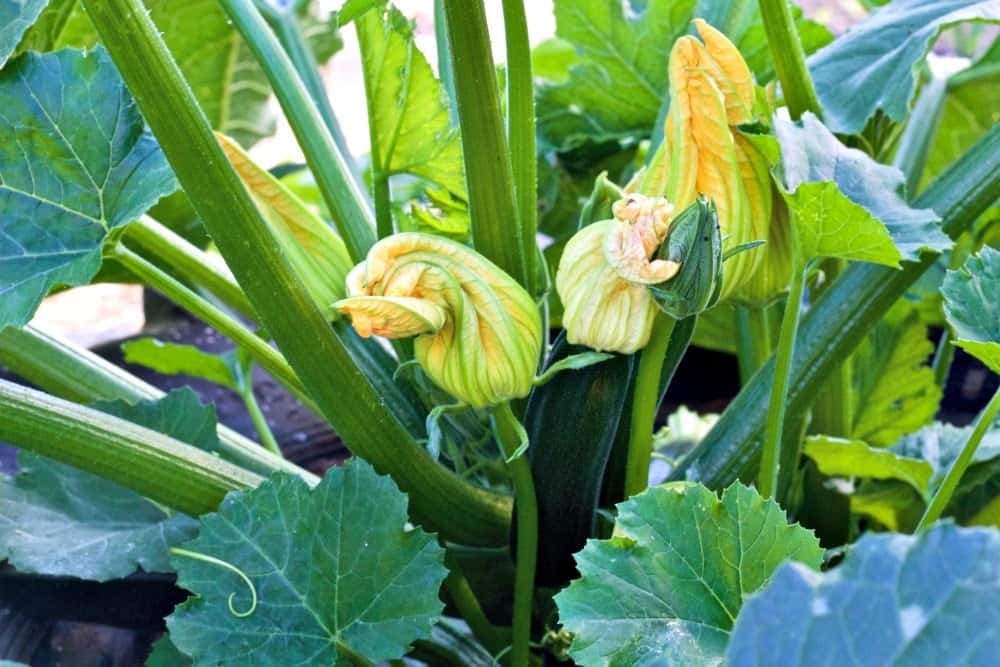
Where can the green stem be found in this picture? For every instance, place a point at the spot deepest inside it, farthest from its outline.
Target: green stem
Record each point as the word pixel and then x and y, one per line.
pixel 164 470
pixel 840 319
pixel 343 197
pixel 445 71
pixel 521 129
pixel 269 358
pixel 496 230
pixel 944 355
pixel 509 431
pixel 767 477
pixel 439 499
pixel 189 262
pixel 495 639
pixel 954 475
pixel 789 58
pixel 645 403
pixel 289 33
pixel 921 129
pixel 368 24
pixel 77 374
pixel 260 421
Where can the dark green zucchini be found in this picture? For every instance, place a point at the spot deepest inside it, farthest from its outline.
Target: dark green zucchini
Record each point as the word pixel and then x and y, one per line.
pixel 571 423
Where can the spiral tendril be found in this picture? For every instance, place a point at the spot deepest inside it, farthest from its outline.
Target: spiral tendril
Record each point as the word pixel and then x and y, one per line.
pixel 194 555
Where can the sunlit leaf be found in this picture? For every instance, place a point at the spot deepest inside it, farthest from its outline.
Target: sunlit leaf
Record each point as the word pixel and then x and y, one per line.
pixel 668 586
pixel 837 457
pixel 408 108
pixel 847 196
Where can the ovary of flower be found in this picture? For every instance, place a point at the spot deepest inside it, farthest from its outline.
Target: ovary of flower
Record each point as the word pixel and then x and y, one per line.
pixel 641 225
pixel 477 332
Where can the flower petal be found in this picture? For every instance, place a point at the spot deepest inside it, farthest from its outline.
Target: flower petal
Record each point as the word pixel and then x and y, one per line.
pixel 601 309
pixel 479 333
pixel 392 316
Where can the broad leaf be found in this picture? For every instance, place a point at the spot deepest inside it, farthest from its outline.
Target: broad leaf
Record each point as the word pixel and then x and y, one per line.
pixel 939 444
pixel 896 600
pixel 668 586
pixel 898 506
pixel 895 389
pixel 971 108
pixel 408 108
pixel 866 193
pixel 230 86
pixel 176 359
pixel 831 225
pixel 616 85
pixel 57 520
pixel 75 162
pixel 334 568
pixel 972 306
pixel 16 16
pixel 874 66
pixel 837 457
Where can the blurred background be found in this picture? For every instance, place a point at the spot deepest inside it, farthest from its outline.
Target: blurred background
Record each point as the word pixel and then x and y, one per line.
pixel 102 313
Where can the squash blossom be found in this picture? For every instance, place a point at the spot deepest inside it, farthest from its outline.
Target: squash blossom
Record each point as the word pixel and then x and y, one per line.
pixel 712 92
pixel 315 250
pixel 478 333
pixel 604 273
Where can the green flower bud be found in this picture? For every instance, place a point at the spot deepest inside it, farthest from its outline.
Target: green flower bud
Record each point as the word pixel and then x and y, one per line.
pixel 695 244
pixel 478 332
pixel 317 253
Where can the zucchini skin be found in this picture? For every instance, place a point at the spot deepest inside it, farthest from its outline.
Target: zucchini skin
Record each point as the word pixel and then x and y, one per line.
pixel 571 423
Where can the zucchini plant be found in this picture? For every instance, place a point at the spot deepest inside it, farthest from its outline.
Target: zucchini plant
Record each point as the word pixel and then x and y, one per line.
pixel 489 310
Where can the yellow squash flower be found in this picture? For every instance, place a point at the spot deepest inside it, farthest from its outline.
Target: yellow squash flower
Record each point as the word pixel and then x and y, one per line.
pixel 604 272
pixel 703 152
pixel 478 333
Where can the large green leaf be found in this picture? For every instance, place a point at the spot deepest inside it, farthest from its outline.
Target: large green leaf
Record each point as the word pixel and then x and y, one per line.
pixel 16 16
pixel 165 654
pixel 616 85
pixel 873 67
pixel 667 587
pixel 972 306
pixel 837 457
pixel 334 568
pixel 75 162
pixel 895 389
pixel 971 108
pixel 57 520
pixel 231 88
pixel 896 600
pixel 408 108
pixel 865 194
